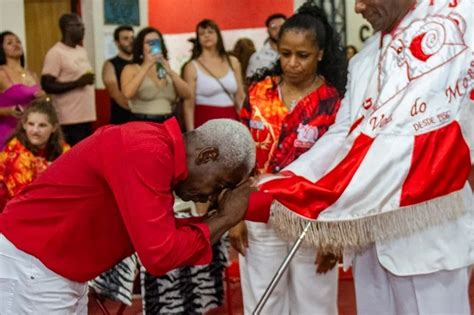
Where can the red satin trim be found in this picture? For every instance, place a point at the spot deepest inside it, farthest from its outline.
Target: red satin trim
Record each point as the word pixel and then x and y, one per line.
pixel 259 207
pixel 440 165
pixel 310 199
pixel 355 124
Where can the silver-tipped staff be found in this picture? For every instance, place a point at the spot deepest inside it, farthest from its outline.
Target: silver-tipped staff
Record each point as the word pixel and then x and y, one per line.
pixel 281 271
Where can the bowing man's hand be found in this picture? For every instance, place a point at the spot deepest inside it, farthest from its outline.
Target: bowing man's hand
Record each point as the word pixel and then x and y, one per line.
pixel 233 203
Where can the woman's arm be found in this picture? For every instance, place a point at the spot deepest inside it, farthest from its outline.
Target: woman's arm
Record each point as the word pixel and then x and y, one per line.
pixel 110 81
pixel 239 96
pixel 190 76
pixel 10 111
pixel 4 82
pixel 40 92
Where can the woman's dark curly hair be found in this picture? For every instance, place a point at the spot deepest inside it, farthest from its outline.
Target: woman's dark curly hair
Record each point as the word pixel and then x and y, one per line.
pixel 140 39
pixel 54 147
pixel 333 66
pixel 3 57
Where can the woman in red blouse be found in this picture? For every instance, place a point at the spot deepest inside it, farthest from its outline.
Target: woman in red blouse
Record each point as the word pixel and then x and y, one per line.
pixel 36 142
pixel 289 107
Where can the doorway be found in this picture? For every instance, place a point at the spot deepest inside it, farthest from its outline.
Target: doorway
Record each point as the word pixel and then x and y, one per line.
pixel 42 29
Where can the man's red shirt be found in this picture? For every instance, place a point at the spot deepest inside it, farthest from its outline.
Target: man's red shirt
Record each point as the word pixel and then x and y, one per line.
pixel 111 195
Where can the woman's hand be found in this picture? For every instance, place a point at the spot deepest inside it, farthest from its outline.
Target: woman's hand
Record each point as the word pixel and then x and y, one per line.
pixel 149 60
pixel 15 111
pixel 18 111
pixel 238 237
pixel 162 60
pixel 325 262
pixel 40 94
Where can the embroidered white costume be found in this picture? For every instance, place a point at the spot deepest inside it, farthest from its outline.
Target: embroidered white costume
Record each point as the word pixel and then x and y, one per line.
pixel 389 179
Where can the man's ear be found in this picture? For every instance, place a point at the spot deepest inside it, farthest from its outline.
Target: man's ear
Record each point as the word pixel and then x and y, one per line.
pixel 206 155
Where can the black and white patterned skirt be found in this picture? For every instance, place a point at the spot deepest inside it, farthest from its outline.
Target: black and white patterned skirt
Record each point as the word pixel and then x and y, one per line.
pixel 188 290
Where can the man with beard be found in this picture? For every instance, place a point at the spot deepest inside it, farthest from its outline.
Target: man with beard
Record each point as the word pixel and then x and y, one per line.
pixel 111 71
pixel 67 73
pixel 388 184
pixel 265 57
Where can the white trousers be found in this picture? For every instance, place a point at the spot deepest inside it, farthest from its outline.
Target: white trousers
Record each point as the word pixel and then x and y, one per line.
pixel 27 286
pixel 300 291
pixel 380 292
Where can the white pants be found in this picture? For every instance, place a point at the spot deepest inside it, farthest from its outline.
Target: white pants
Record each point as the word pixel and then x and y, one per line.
pixel 29 287
pixel 380 292
pixel 300 291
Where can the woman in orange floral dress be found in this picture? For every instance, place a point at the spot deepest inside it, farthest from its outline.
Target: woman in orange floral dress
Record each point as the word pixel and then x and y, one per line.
pixel 35 144
pixel 287 110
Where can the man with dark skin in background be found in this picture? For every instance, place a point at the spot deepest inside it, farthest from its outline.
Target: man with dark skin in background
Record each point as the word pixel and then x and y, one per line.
pixel 67 74
pixel 389 185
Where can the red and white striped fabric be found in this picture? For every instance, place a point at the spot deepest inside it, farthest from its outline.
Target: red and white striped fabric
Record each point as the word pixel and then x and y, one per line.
pixel 399 155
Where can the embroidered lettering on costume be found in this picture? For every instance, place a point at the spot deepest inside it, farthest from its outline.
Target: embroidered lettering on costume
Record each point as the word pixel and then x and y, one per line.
pixel 462 86
pixel 380 121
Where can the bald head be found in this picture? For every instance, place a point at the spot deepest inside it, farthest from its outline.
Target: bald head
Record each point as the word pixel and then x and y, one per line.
pixel 66 19
pixel 72 28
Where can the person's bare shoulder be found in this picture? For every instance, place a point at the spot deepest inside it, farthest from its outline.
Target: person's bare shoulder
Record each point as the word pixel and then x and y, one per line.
pixel 189 71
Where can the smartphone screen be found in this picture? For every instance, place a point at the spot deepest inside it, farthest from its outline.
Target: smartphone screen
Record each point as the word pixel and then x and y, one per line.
pixel 155 46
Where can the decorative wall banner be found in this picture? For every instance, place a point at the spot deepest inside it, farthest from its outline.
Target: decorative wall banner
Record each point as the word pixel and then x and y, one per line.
pixel 121 12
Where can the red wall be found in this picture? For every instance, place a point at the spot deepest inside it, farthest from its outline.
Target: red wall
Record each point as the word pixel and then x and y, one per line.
pixel 102 105
pixel 171 16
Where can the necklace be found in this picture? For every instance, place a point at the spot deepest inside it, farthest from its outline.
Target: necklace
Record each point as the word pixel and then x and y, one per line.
pixel 295 100
pixel 20 71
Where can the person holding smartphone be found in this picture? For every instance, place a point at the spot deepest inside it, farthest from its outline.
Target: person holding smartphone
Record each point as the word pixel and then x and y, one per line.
pixel 149 82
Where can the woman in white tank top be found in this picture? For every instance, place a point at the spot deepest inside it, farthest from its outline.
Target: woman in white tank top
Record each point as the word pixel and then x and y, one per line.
pixel 214 77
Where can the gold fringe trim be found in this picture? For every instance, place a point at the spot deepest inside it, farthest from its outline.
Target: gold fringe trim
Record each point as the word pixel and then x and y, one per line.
pixel 355 234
